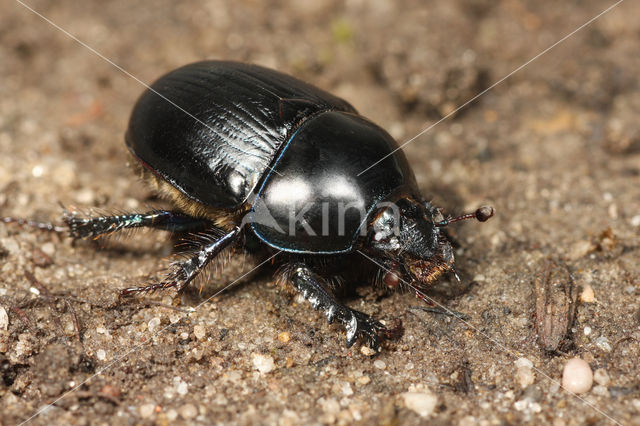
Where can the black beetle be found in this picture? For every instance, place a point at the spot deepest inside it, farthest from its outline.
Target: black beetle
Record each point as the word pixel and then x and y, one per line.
pixel 256 159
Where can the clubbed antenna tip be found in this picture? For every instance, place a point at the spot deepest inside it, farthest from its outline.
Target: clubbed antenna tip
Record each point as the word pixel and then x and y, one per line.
pixel 482 214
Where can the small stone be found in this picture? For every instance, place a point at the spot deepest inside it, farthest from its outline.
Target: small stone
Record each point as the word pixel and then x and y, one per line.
pixel 284 337
pixel 603 343
pixel 364 380
pixel 85 196
pixel 101 354
pixel 330 405
pixel 521 405
pixel 601 377
pixel 171 415
pixel 146 410
pixel 200 332
pixel 4 319
pixel 153 324
pixel 423 403
pixel 37 171
pixel 577 376
pixel 581 249
pixel 346 389
pixel 587 331
pixel 524 362
pixel 10 245
pixel 182 388
pixel 379 364
pixel 635 221
pixel 188 411
pixel 48 248
pixel 262 363
pixel 600 390
pixel 367 351
pixel 587 295
pixel 525 376
pixel 111 391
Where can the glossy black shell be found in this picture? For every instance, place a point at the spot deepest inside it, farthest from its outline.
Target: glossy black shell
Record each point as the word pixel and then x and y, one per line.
pixel 228 134
pixel 212 128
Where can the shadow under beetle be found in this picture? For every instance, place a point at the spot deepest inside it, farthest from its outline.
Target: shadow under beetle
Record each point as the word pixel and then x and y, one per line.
pixel 255 159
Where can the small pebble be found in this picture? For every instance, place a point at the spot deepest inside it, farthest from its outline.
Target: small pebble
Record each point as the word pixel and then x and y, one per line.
pixel 364 380
pixel 423 403
pixel 524 373
pixel 4 319
pixel 101 354
pixel 635 221
pixel 581 249
pixel 587 331
pixel 346 389
pixel 524 362
pixel 146 410
pixel 153 324
pixel 10 245
pixel 262 363
pixel 603 343
pixel 329 405
pixel 200 332
pixel 367 351
pixel 525 376
pixel 48 248
pixel 587 295
pixel 188 411
pixel 379 364
pixel 110 390
pixel 85 196
pixel 601 377
pixel 37 171
pixel 600 390
pixel 171 415
pixel 182 388
pixel 284 337
pixel 577 376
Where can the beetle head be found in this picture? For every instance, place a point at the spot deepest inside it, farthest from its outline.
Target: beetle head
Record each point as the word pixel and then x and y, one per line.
pixel 406 237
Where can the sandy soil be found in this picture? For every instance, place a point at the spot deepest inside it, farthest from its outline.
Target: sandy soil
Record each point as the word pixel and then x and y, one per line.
pixel 555 149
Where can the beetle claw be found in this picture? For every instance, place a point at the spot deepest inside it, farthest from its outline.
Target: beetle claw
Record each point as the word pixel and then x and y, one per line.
pixel 363 326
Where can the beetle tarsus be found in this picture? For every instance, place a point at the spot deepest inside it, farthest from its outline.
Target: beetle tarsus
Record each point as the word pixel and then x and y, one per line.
pixel 185 271
pixel 44 226
pixel 357 324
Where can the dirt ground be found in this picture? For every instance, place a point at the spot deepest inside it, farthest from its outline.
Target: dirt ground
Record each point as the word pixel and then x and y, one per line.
pixel 555 148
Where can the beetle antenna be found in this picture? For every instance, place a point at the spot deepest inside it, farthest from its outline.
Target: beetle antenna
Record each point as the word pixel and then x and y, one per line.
pixel 482 214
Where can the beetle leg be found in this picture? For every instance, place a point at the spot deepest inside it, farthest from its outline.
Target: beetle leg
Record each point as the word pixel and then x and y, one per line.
pixel 185 271
pixel 159 219
pixel 357 324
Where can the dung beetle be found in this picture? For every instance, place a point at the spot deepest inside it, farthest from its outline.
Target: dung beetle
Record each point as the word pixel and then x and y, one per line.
pixel 256 160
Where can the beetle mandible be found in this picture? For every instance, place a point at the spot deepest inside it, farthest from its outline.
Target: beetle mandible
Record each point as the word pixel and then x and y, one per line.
pixel 255 159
